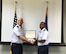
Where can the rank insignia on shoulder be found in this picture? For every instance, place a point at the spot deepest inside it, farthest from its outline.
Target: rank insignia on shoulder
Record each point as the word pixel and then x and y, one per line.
pixel 17 26
pixel 43 30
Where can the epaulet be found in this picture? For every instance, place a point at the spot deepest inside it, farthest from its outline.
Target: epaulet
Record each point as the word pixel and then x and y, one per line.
pixel 17 26
pixel 44 30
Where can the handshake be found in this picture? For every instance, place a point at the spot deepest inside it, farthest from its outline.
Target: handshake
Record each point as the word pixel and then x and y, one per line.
pixel 32 41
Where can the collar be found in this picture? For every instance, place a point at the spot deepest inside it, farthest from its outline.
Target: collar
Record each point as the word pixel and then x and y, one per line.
pixel 19 26
pixel 43 29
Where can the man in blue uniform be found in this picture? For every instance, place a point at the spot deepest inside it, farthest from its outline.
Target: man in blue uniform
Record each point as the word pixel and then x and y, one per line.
pixel 18 38
pixel 42 39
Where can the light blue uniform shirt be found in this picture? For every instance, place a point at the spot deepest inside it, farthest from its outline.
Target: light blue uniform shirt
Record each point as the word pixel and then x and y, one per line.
pixel 17 30
pixel 43 35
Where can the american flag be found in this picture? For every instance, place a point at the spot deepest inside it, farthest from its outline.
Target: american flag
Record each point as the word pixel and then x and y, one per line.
pixel 15 20
pixel 15 16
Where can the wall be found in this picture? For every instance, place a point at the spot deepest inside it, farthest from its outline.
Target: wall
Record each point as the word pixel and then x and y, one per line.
pixel 4 49
pixel 32 15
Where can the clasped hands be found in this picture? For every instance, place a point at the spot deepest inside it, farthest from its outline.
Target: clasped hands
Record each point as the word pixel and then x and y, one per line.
pixel 32 41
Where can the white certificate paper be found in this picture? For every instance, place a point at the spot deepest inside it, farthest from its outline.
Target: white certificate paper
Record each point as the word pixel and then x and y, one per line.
pixel 30 34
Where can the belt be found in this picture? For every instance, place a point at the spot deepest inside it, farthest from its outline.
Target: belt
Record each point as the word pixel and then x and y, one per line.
pixel 43 46
pixel 17 43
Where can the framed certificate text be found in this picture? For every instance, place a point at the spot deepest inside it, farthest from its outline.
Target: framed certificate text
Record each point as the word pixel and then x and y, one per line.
pixel 30 34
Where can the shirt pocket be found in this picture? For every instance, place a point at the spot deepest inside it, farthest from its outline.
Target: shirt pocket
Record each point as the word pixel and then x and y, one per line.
pixel 40 37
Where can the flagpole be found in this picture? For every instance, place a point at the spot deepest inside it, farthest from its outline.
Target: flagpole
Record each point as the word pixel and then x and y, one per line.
pixel 47 7
pixel 15 5
pixel 47 2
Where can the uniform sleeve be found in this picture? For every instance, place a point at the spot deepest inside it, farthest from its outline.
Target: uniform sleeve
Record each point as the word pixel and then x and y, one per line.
pixel 45 35
pixel 17 32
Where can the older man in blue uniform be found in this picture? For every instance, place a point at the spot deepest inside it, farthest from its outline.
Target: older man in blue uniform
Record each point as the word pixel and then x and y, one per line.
pixel 18 38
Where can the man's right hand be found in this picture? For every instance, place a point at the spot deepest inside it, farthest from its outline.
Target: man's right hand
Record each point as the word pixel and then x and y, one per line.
pixel 31 41
pixel 35 38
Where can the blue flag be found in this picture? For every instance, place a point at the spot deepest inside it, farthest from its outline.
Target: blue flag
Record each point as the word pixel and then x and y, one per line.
pixel 46 19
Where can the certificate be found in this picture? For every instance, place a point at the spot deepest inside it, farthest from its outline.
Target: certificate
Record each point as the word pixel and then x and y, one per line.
pixel 30 34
